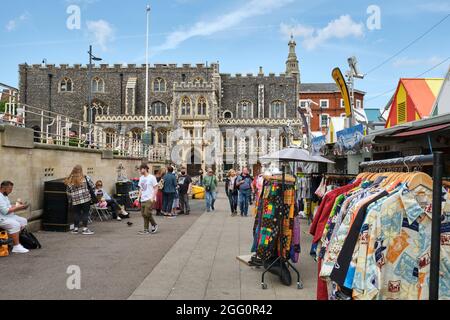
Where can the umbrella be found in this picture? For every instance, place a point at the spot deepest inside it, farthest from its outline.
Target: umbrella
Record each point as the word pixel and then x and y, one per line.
pixel 295 155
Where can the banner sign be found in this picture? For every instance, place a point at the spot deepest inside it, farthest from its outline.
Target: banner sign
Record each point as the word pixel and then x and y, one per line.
pixel 349 141
pixel 340 81
pixel 318 144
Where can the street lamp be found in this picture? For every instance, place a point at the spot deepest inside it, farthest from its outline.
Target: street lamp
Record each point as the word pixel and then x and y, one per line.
pixel 147 137
pixel 91 58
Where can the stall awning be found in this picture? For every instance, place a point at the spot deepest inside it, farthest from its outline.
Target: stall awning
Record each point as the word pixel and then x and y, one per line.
pixel 422 131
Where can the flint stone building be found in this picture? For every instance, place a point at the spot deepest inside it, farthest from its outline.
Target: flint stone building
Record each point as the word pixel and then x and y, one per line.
pixel 187 99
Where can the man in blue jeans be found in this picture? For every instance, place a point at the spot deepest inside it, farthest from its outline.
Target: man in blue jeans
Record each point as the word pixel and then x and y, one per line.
pixel 169 191
pixel 244 184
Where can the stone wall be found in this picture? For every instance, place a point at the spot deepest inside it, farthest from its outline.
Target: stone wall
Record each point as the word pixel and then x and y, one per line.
pixel 30 166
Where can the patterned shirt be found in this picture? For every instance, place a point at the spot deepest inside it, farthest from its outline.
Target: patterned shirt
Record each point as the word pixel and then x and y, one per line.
pixel 394 253
pixel 80 194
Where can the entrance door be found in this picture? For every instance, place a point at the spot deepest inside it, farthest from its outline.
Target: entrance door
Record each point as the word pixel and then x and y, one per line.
pixel 194 162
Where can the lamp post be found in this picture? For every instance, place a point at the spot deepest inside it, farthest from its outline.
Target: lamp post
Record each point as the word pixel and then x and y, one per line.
pixel 147 137
pixel 91 58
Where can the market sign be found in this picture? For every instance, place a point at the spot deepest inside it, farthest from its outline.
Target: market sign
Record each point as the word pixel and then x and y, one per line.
pixel 350 141
pixel 340 81
pixel 318 144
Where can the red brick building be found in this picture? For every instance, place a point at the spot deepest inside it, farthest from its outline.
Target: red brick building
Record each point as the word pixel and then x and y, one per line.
pixel 329 103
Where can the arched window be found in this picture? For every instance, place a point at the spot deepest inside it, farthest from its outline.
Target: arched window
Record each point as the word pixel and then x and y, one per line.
pixel 98 85
pixel 199 80
pixel 66 85
pixel 228 115
pixel 110 136
pixel 277 109
pixel 245 109
pixel 186 106
pixel 159 85
pixel 201 106
pixel 162 136
pixel 136 133
pixel 159 109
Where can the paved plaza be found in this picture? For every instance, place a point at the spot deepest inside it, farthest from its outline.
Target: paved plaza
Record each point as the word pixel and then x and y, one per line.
pixel 192 257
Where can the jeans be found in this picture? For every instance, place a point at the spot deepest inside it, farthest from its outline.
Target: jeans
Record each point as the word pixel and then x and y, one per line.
pixel 233 199
pixel 244 199
pixel 211 197
pixel 114 207
pixel 147 214
pixel 81 214
pixel 168 202
pixel 184 203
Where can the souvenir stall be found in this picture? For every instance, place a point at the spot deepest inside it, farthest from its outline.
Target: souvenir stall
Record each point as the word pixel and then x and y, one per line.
pixel 379 237
pixel 277 223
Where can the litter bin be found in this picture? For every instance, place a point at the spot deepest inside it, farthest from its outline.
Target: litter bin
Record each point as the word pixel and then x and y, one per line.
pixel 56 216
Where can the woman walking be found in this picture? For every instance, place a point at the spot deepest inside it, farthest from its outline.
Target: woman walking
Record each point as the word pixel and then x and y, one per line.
pixel 232 191
pixel 210 183
pixel 80 191
pixel 159 195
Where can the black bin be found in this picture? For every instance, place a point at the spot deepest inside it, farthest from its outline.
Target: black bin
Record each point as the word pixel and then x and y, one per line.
pixel 57 216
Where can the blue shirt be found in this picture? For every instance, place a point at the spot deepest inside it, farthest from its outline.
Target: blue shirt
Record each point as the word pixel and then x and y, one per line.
pixel 170 183
pixel 5 205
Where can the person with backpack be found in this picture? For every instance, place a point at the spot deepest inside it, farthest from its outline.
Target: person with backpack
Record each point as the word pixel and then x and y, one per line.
pixel 184 190
pixel 80 193
pixel 244 184
pixel 9 221
pixel 210 183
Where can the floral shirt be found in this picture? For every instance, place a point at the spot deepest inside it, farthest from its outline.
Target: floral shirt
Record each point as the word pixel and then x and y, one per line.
pixel 393 261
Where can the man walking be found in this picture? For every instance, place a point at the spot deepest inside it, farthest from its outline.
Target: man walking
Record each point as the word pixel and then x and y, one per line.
pixel 210 183
pixel 244 184
pixel 169 191
pixel 184 190
pixel 148 187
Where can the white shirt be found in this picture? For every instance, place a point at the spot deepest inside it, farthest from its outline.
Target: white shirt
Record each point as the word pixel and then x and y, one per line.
pixel 147 186
pixel 5 205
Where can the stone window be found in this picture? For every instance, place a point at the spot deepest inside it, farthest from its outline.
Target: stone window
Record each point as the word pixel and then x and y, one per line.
pixel 186 106
pixel 201 106
pixel 159 109
pixel 228 115
pixel 162 136
pixel 199 80
pixel 136 133
pixel 98 85
pixel 110 137
pixel 159 85
pixel 278 109
pixel 66 85
pixel 245 109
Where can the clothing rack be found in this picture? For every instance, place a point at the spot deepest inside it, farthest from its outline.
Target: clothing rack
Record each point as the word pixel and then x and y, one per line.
pixel 437 161
pixel 281 259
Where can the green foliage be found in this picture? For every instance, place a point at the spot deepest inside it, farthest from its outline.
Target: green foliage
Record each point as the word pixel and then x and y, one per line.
pixel 2 106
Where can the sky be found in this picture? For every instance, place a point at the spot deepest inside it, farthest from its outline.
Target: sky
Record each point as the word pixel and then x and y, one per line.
pixel 240 34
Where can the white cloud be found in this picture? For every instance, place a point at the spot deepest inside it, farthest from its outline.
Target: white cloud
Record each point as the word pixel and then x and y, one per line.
pixel 406 62
pixel 102 32
pixel 224 22
pixel 13 24
pixel 340 28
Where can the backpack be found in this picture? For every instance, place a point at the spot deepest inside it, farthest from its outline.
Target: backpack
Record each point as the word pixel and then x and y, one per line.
pixel 6 244
pixel 29 241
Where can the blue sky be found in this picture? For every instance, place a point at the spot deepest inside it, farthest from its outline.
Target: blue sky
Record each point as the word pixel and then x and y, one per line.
pixel 241 34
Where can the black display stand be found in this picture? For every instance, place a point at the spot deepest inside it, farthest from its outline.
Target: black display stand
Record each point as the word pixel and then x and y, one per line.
pixel 437 161
pixel 280 259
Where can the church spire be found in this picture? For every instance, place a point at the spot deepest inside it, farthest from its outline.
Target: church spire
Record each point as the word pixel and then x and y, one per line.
pixel 292 64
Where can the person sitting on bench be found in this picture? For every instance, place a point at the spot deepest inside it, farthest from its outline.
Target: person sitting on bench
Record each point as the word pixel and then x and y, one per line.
pixel 115 208
pixel 9 221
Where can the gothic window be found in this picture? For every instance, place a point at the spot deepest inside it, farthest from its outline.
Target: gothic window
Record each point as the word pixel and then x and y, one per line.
pixel 201 106
pixel 186 106
pixel 110 136
pixel 159 85
pixel 278 109
pixel 136 133
pixel 98 85
pixel 66 85
pixel 159 109
pixel 245 109
pixel 162 137
pixel 199 80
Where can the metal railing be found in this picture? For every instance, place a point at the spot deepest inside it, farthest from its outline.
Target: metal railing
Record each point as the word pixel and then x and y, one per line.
pixel 56 129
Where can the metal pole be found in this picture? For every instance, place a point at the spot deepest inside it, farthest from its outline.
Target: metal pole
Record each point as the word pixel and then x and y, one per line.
pixel 438 169
pixel 90 85
pixel 147 70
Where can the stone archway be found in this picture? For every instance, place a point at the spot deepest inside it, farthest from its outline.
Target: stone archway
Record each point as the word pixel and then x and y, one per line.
pixel 193 160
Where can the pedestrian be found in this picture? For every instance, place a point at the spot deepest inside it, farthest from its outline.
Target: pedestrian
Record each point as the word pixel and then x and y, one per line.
pixel 100 192
pixel 169 191
pixel 244 184
pixel 200 179
pixel 9 221
pixel 184 190
pixel 80 191
pixel 210 183
pixel 148 187
pixel 159 195
pixel 232 191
